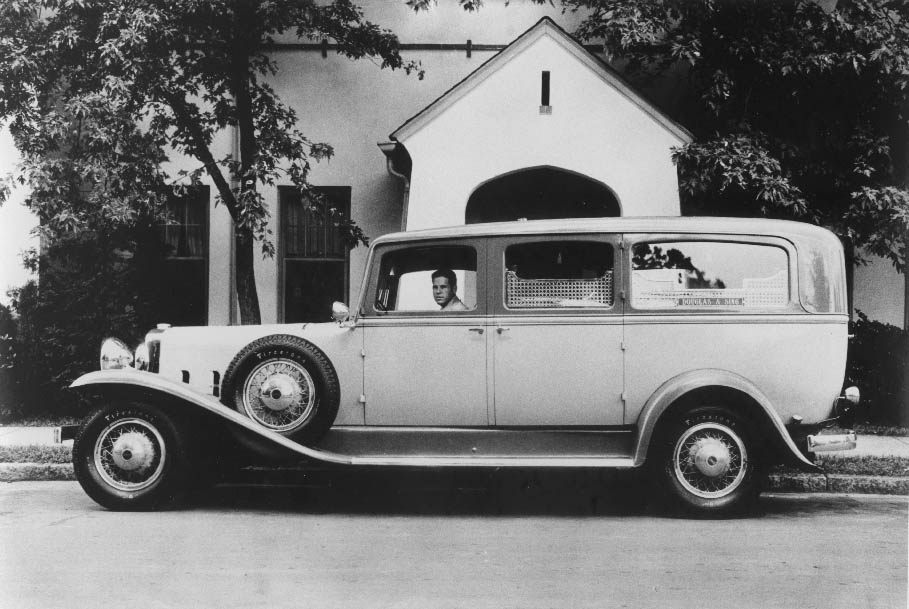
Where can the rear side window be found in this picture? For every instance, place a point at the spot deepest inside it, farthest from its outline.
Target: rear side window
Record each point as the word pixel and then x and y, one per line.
pixel 709 275
pixel 560 274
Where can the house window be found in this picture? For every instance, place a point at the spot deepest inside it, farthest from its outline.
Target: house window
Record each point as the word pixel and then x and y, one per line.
pixel 182 287
pixel 314 257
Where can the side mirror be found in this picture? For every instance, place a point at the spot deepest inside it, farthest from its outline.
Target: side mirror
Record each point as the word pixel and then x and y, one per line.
pixel 339 312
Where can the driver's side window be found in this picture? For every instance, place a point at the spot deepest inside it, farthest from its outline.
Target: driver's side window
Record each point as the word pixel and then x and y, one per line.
pixel 439 279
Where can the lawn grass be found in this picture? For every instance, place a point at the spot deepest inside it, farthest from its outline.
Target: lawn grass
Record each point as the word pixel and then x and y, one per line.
pixel 36 454
pixel 38 421
pixel 865 465
pixel 854 465
pixel 871 430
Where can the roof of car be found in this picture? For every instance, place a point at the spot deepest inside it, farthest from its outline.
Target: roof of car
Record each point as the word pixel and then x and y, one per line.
pixel 654 224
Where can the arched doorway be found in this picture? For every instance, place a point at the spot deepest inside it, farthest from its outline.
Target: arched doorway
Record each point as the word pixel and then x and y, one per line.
pixel 540 193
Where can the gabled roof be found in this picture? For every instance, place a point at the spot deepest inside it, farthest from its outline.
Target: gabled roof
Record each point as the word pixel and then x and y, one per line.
pixel 544 27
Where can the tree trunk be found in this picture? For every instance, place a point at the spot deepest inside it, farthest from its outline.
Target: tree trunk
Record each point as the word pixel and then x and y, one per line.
pixel 245 40
pixel 247 295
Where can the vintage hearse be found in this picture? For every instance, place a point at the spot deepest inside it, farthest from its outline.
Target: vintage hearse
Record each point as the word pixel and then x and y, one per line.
pixel 702 349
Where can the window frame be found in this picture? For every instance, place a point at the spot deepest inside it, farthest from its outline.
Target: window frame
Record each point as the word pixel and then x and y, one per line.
pixel 793 304
pixel 285 196
pixel 499 245
pixel 367 306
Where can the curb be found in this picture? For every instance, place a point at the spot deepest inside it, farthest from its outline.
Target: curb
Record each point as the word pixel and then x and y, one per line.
pixel 776 483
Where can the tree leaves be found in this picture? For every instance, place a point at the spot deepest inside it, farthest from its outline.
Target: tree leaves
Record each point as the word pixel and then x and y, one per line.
pixel 100 92
pixel 800 108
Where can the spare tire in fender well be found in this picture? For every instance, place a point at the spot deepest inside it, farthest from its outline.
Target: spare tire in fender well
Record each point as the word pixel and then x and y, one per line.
pixel 286 384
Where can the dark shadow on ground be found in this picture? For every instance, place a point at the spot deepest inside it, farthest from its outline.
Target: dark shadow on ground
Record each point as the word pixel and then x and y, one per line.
pixel 434 492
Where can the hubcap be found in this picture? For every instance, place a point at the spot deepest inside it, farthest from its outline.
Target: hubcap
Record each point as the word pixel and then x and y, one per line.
pixel 133 451
pixel 279 394
pixel 710 456
pixel 710 460
pixel 129 454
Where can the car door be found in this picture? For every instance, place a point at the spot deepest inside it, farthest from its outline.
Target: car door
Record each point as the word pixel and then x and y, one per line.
pixel 425 365
pixel 557 332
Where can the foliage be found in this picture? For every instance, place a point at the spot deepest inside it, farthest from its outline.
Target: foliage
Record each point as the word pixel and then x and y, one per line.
pixel 877 364
pixel 799 107
pixel 647 256
pixel 61 325
pixel 7 349
pixel 97 92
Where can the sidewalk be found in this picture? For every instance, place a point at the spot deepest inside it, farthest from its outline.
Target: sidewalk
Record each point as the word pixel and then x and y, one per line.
pixel 27 436
pixel 877 446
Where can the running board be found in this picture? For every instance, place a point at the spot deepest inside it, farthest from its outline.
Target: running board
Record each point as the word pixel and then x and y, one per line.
pixel 528 462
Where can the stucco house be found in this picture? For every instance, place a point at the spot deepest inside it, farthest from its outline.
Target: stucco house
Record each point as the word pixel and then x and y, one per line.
pixel 514 119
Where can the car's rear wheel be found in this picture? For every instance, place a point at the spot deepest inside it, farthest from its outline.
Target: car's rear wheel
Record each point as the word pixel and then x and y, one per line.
pixel 706 462
pixel 284 384
pixel 129 456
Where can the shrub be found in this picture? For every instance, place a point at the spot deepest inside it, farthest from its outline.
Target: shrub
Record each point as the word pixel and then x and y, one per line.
pixel 7 351
pixel 877 364
pixel 91 287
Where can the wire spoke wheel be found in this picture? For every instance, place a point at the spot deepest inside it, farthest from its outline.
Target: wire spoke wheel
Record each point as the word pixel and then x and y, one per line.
pixel 284 384
pixel 279 394
pixel 129 454
pixel 710 460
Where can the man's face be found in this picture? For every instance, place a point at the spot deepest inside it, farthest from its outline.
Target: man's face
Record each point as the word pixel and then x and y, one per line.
pixel 441 291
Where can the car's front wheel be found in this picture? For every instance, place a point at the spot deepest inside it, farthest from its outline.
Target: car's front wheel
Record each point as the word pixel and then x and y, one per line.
pixel 706 462
pixel 129 456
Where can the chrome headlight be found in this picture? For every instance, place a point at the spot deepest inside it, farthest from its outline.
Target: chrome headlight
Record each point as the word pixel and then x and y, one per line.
pixel 115 354
pixel 143 357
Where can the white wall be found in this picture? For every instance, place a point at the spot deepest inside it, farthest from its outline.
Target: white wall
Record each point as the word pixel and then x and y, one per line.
pixel 496 128
pixel 353 105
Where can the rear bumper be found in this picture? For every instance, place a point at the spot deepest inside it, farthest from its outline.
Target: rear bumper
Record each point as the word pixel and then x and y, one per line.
pixel 831 442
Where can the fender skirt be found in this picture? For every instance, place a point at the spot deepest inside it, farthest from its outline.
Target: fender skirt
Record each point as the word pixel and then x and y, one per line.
pixel 677 387
pixel 152 382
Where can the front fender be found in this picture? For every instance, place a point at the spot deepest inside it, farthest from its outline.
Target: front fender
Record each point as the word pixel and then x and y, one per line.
pixel 675 388
pixel 118 379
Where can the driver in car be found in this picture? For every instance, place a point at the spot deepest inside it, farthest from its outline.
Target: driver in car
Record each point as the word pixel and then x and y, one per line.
pixel 444 290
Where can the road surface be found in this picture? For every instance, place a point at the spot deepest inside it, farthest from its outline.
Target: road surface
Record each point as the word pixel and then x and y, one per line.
pixel 460 543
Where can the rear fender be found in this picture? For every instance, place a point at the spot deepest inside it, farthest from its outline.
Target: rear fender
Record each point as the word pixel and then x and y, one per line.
pixel 676 389
pixel 118 382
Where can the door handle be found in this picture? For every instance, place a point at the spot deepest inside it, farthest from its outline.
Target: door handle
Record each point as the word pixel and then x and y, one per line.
pixel 501 329
pixel 477 330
